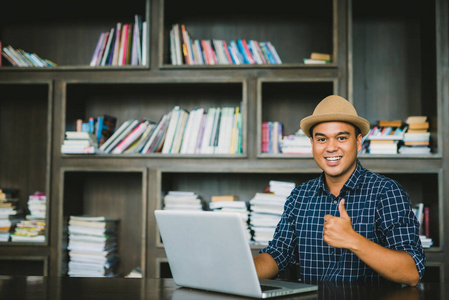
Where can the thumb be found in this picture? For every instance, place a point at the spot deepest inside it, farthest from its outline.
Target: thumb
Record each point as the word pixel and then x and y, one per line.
pixel 342 209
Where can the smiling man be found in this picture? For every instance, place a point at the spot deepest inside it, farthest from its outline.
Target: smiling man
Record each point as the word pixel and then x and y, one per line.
pixel 349 224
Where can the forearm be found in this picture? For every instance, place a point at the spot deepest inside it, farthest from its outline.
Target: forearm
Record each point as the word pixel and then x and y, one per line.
pixel 397 266
pixel 266 266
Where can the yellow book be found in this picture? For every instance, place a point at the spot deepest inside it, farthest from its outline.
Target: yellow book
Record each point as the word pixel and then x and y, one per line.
pixel 232 149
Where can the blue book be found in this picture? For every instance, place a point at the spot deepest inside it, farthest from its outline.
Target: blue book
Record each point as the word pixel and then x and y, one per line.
pixel 267 51
pixel 99 128
pixel 242 51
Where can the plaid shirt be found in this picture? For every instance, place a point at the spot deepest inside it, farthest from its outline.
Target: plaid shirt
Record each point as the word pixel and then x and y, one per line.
pixel 380 210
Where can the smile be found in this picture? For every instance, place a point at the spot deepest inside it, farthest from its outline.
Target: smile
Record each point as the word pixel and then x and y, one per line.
pixel 334 158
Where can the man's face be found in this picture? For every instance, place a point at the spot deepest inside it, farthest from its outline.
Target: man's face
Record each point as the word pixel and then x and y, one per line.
pixel 335 148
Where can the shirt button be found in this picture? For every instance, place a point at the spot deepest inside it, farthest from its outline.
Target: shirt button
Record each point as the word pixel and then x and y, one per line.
pixel 332 252
pixel 335 201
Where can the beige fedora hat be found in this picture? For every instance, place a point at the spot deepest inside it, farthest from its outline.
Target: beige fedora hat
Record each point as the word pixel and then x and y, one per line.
pixel 334 108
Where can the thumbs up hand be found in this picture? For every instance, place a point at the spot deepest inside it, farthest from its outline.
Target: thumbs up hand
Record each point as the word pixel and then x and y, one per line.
pixel 338 231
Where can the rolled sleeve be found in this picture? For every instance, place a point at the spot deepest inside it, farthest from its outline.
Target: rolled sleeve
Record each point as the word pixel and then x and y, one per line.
pixel 400 225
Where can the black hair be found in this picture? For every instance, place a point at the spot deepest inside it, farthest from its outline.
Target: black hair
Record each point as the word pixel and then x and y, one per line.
pixel 356 129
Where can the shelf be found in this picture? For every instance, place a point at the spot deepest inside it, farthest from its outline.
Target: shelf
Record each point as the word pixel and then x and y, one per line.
pixel 111 193
pixel 305 27
pixel 67 33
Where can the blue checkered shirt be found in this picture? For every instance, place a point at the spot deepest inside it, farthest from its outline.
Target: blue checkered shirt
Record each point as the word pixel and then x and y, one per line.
pixel 380 210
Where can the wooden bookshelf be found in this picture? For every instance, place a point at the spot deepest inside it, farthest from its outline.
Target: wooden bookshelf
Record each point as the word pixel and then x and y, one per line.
pixel 391 63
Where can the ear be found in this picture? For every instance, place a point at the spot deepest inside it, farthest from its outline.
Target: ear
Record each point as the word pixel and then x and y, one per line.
pixel 359 142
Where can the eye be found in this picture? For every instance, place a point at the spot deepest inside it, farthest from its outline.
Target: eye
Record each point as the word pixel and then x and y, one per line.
pixel 342 138
pixel 321 140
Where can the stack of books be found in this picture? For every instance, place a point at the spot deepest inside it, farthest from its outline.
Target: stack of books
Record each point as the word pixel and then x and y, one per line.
pixel 29 231
pixel 9 212
pixel 124 44
pixel 266 210
pixel 318 58
pixel 21 58
pixel 92 246
pixel 385 137
pixel 32 229
pixel 297 143
pixel 417 136
pixel 182 200
pixel 271 137
pixel 79 142
pixel 37 206
pixel 186 50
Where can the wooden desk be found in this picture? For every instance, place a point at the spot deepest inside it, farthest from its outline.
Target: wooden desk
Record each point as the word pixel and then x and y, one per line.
pixel 62 288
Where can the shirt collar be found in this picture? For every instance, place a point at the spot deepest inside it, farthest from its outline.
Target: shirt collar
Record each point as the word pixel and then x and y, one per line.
pixel 352 183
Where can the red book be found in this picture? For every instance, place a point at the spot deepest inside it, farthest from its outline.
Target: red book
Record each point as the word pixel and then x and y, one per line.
pixel 228 55
pixel 124 45
pixel 248 53
pixel 427 221
pixel 265 137
pixel 185 45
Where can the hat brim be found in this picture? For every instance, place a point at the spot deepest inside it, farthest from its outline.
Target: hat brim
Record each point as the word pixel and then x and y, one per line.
pixel 310 121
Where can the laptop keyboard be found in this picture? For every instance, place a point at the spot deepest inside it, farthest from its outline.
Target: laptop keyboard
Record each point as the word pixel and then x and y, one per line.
pixel 268 288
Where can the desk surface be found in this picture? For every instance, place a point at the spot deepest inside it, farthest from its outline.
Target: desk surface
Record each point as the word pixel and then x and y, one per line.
pixel 61 288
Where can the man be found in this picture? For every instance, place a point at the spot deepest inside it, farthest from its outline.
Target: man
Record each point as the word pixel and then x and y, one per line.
pixel 349 224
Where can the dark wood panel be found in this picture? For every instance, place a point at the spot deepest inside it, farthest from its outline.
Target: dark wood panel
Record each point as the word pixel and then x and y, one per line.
pixel 23 130
pixel 146 101
pixel 289 102
pixel 115 195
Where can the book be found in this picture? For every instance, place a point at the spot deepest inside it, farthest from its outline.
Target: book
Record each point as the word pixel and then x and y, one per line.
pixel 144 43
pixel 93 61
pixel 116 54
pixel 120 137
pixel 177 44
pixel 216 198
pixel 80 135
pixel 309 61
pixel 116 134
pixel 243 47
pixel 106 128
pixel 131 137
pixel 179 133
pixel 274 52
pixel 124 45
pixel 321 56
pixel 186 46
pixel 107 49
pixel 390 123
pixel 137 43
pixel 171 130
pixel 140 143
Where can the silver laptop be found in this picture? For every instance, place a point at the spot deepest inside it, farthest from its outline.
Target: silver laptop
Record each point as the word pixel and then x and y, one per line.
pixel 210 251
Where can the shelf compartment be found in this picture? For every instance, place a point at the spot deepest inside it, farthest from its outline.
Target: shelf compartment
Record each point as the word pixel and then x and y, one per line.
pixel 296 29
pixel 150 100
pixel 288 101
pixel 24 266
pixel 111 193
pixel 25 125
pixel 398 78
pixel 67 33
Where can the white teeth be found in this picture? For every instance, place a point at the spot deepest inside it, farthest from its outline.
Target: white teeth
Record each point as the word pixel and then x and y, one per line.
pixel 333 158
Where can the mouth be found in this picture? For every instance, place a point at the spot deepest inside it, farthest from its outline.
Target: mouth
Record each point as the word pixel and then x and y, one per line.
pixel 333 158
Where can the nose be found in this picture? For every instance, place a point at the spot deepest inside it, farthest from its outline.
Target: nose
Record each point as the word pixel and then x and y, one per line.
pixel 332 145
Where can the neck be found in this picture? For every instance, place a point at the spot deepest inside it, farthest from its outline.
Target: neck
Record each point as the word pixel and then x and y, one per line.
pixel 336 183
